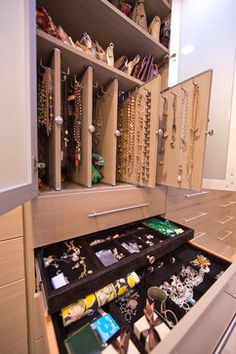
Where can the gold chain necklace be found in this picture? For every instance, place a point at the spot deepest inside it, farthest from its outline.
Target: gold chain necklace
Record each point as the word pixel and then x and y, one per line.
pixel 173 136
pixel 146 148
pixel 139 135
pixel 183 128
pixel 193 131
pixel 163 130
pixel 45 107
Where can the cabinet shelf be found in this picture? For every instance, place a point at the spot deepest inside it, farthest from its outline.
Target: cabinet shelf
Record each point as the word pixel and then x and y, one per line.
pixel 78 61
pixel 104 22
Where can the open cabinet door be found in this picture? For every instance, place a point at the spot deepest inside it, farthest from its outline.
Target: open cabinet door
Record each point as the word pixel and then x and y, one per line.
pixel 18 140
pixel 83 173
pixel 183 124
pixel 137 146
pixel 106 109
pixel 54 161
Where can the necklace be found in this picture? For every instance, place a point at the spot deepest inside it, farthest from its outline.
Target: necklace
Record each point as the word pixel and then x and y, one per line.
pixel 163 130
pixel 77 123
pixel 45 107
pixel 97 122
pixel 183 127
pixel 193 131
pixel 173 137
pixel 146 147
pixel 141 102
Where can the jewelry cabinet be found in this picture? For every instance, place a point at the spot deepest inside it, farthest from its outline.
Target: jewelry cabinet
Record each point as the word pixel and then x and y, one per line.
pixel 59 215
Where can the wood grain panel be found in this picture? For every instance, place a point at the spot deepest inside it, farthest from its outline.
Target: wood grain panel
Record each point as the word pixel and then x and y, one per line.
pixel 11 224
pixel 13 316
pixel 83 174
pixel 107 141
pixel 189 159
pixel 18 346
pixel 11 261
pixel 183 198
pixel 59 217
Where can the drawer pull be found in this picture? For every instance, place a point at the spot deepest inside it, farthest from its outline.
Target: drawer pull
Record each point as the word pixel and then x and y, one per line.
pixel 195 217
pixel 228 233
pixel 229 218
pixel 227 204
pixel 200 234
pixel 94 213
pixel 195 194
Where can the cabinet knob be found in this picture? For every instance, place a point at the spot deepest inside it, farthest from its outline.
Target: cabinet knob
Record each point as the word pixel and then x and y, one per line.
pixel 117 133
pixel 210 132
pixel 91 128
pixel 58 120
pixel 151 259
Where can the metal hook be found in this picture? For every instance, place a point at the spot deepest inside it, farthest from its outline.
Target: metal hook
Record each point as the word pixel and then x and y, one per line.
pixel 164 98
pixel 67 73
pixel 148 91
pixel 194 83
pixel 41 64
pixel 96 85
pixel 183 89
pixel 174 94
pixel 102 90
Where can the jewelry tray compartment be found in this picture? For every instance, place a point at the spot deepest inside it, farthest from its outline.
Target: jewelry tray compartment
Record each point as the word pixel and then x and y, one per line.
pixel 100 275
pixel 155 275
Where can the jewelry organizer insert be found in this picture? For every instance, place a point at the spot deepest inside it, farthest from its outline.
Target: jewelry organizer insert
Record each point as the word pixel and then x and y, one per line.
pixel 174 282
pixel 182 132
pixel 93 261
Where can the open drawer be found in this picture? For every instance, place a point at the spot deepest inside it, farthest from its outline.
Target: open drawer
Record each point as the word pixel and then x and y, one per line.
pixel 210 296
pixel 69 268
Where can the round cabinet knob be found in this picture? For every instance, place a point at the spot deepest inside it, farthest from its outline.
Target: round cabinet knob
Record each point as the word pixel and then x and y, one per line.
pixel 59 120
pixel 91 128
pixel 151 259
pixel 210 132
pixel 117 132
pixel 160 132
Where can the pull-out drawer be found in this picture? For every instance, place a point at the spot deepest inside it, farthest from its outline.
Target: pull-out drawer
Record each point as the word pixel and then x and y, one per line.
pixel 61 216
pixel 209 294
pixel 182 198
pixel 94 260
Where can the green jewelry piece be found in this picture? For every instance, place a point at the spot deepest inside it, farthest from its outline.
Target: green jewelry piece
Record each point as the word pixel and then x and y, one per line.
pixel 163 226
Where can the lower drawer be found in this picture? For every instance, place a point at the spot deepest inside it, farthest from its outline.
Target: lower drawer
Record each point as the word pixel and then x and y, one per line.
pixel 162 271
pixel 13 327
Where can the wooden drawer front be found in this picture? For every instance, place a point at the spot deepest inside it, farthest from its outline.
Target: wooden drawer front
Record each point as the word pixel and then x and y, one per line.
pixel 13 317
pixel 11 224
pixel 183 198
pixel 192 216
pixel 63 216
pixel 11 261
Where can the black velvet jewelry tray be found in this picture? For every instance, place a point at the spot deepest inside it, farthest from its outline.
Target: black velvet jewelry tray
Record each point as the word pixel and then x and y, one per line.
pixel 155 275
pixel 101 275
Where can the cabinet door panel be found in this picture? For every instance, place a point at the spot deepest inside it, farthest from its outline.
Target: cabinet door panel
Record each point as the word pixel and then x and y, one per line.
pixel 107 141
pixel 183 120
pixel 18 182
pixel 55 136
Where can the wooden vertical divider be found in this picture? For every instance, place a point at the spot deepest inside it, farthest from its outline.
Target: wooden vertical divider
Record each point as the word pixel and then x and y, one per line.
pixel 106 146
pixel 153 87
pixel 83 174
pixel 54 161
pixel 168 172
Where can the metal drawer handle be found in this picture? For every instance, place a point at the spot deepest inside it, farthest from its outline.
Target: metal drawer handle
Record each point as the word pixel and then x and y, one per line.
pixel 195 217
pixel 228 233
pixel 199 235
pixel 195 194
pixel 94 213
pixel 227 204
pixel 229 218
